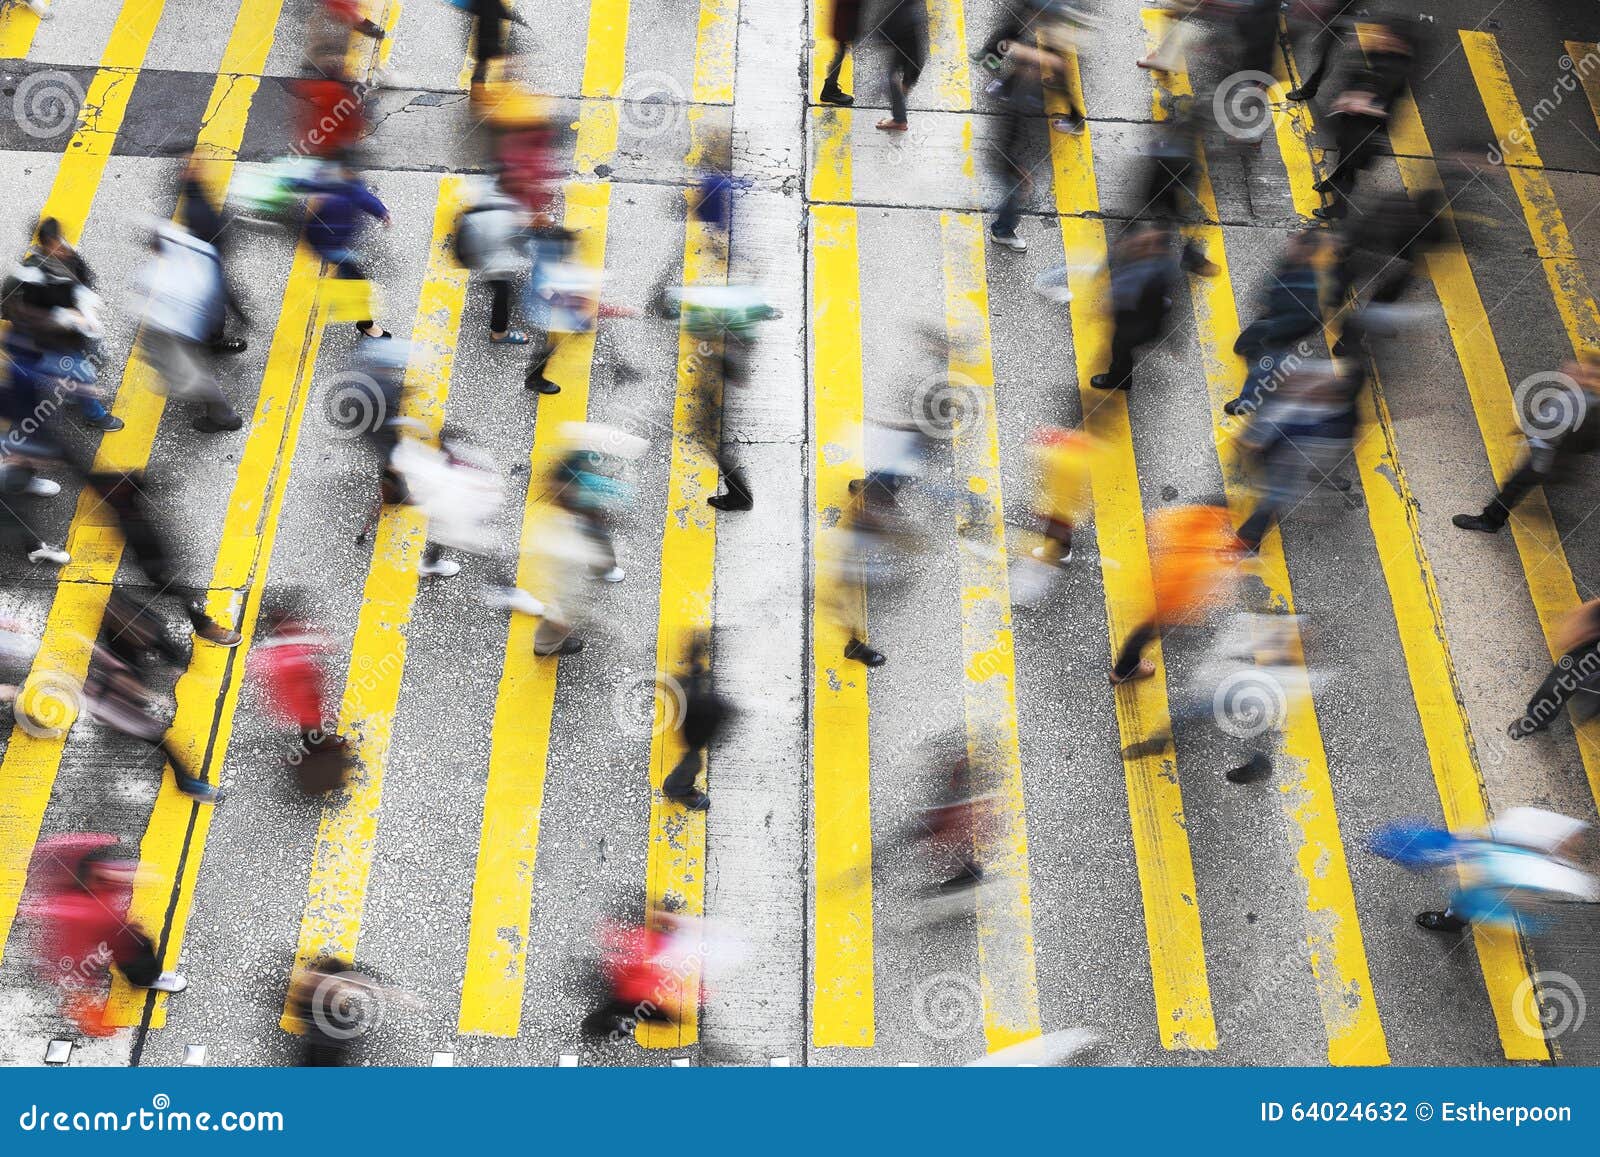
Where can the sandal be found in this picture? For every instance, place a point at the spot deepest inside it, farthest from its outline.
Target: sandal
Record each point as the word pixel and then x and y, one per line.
pixel 1145 669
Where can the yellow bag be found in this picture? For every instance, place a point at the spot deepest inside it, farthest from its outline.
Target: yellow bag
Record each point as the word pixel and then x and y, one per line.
pixel 346 299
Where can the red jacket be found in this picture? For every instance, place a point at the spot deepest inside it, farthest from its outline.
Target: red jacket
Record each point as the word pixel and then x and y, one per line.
pixel 290 664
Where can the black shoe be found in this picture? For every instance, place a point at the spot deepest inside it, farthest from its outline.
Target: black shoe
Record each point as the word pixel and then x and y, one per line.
pixel 1301 94
pixel 1328 213
pixel 1522 728
pixel 1258 769
pixel 571 645
pixel 1476 522
pixel 379 336
pixel 1232 408
pixel 1104 382
pixel 1323 186
pixel 959 883
pixel 108 422
pixel 729 501
pixel 856 649
pixel 229 345
pixel 1440 921
pixel 833 94
pixel 368 29
pixel 206 424
pixel 541 383
pixel 696 802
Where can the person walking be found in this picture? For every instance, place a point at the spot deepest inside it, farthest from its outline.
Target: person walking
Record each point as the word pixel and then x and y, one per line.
pixel 125 496
pixel 338 202
pixel 1574 679
pixel 704 713
pixel 1291 311
pixel 184 296
pixel 905 28
pixel 209 221
pixel 1563 425
pixel 492 241
pixel 1361 111
pixel 1335 22
pixel 1194 556
pixel 844 27
pixel 1144 275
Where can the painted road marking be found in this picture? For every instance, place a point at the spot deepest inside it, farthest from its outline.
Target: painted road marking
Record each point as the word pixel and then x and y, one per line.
pixel 502 888
pixel 1155 800
pixel 1336 951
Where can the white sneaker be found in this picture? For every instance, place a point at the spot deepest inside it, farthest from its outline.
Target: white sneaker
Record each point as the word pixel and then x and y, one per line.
pixel 41 8
pixel 169 982
pixel 42 488
pixel 513 598
pixel 48 553
pixel 1043 555
pixel 444 568
pixel 615 575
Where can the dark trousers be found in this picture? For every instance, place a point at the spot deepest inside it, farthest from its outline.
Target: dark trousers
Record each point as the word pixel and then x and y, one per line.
pixel 1524 479
pixel 1357 140
pixel 1014 173
pixel 499 306
pixel 1128 332
pixel 1327 42
pixel 1577 671
pixel 187 782
pixel 680 781
pixel 141 966
pixel 1133 650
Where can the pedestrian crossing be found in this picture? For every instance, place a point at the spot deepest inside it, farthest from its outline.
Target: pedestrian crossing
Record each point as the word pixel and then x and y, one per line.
pixel 514 906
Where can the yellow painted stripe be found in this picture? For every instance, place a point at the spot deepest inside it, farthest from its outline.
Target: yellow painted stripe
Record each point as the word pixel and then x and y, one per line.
pixel 18 26
pixel 1583 60
pixel 713 52
pixel 605 58
pixel 104 104
pixel 348 833
pixel 208 691
pixel 822 50
pixel 1338 955
pixel 1007 973
pixel 1525 167
pixel 502 889
pixel 675 874
pixel 841 809
pixel 1155 801
pixel 519 745
pixel 28 771
pixel 468 62
pixel 1419 622
pixel 1544 558
pixel 949 72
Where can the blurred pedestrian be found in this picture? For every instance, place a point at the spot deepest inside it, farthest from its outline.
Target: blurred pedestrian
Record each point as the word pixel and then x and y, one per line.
pixel 184 307
pixel 1334 21
pixel 1194 556
pixel 208 220
pixel 905 28
pixel 1144 276
pixel 703 713
pixel 1562 425
pixel 339 198
pixel 1361 112
pixel 291 659
pixel 844 27
pixel 1291 312
pixel 1574 680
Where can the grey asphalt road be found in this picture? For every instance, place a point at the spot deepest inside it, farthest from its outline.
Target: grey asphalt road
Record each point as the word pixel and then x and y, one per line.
pixel 239 890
